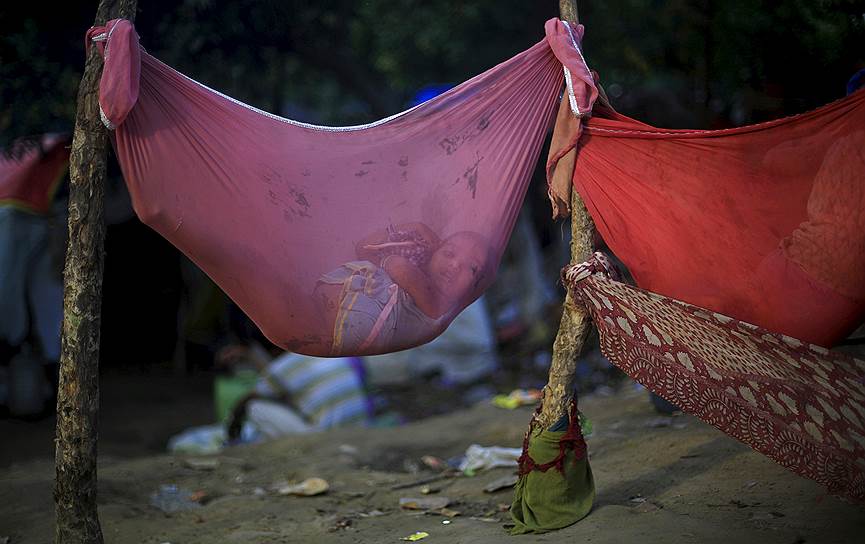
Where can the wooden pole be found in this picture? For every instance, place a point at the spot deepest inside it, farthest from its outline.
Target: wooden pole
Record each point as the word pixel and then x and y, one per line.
pixel 78 394
pixel 575 324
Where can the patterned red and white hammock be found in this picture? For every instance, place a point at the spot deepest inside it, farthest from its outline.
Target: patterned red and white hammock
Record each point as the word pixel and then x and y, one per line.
pixel 797 403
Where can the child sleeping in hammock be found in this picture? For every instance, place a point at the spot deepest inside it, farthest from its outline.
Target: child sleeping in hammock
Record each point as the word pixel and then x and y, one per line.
pixel 403 287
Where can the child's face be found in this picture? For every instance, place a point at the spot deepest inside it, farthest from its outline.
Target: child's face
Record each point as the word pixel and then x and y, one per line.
pixel 457 265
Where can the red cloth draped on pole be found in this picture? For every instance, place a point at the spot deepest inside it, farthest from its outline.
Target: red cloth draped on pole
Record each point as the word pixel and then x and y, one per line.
pixel 763 223
pixel 338 240
pixel 29 181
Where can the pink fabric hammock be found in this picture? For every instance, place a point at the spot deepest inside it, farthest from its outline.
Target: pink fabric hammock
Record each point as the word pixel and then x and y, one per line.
pixel 338 240
pixel 30 181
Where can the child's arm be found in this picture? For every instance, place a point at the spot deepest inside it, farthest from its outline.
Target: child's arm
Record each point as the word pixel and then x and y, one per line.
pixel 416 283
pixel 369 249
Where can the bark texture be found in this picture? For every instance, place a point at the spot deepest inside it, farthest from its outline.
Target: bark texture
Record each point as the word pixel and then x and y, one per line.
pixel 575 324
pixel 78 395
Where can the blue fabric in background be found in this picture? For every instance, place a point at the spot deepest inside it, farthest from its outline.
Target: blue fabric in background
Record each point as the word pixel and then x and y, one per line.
pixel 429 92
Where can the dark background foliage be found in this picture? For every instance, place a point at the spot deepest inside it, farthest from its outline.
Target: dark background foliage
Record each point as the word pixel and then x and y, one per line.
pixel 673 62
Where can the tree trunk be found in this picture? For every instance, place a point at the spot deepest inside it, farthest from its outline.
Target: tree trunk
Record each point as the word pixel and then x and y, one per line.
pixel 78 393
pixel 575 325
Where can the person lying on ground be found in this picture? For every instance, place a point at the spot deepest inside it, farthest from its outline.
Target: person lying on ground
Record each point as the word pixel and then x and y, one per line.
pixel 297 393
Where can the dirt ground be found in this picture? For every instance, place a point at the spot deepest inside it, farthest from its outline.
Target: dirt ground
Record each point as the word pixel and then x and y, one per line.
pixel 659 479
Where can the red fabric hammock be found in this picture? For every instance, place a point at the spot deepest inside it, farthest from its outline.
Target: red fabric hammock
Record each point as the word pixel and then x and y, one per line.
pixel 30 181
pixel 797 403
pixel 338 240
pixel 764 223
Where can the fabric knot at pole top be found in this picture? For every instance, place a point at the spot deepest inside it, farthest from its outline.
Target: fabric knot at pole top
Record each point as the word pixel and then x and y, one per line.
pixel 565 41
pixel 580 91
pixel 118 88
pixel 293 220
pixel 598 264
